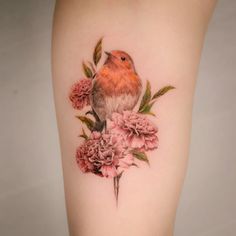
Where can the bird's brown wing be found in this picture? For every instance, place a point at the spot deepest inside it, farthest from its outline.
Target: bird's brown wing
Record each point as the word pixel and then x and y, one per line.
pixel 98 102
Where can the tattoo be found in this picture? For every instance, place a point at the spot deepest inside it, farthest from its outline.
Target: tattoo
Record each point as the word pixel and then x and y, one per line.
pixel 116 135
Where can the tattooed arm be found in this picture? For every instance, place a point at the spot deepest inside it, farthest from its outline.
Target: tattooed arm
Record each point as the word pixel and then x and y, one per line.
pixel 124 75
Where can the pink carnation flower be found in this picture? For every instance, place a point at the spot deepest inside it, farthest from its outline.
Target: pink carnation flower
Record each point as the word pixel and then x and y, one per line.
pixel 103 154
pixel 137 130
pixel 80 93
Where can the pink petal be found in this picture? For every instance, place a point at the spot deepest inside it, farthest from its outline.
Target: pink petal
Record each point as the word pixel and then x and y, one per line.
pixel 109 171
pixel 137 142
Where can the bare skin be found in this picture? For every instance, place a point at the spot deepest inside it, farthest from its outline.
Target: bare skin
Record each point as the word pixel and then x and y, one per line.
pixel 165 39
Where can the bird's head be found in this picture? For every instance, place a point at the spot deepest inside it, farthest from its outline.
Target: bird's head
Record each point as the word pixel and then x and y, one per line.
pixel 120 59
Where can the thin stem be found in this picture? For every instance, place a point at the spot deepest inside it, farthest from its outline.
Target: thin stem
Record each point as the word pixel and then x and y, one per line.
pixel 115 189
pixel 116 183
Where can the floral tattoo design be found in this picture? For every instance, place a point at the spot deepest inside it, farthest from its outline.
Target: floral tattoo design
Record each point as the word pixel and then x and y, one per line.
pixel 117 135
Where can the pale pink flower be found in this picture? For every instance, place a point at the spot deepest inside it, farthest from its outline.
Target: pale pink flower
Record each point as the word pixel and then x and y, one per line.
pixel 137 130
pixel 104 154
pixel 85 153
pixel 80 93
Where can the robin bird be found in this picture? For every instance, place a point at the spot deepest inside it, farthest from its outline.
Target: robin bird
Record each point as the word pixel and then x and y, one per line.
pixel 116 86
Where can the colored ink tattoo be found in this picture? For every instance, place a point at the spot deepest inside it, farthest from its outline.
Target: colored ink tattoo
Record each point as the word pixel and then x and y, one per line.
pixel 117 131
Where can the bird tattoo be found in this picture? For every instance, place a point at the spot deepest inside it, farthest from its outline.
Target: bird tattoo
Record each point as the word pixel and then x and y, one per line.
pixel 116 87
pixel 118 132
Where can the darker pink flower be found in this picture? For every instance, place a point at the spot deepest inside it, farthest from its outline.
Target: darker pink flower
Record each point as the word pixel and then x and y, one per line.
pixel 104 154
pixel 80 93
pixel 137 130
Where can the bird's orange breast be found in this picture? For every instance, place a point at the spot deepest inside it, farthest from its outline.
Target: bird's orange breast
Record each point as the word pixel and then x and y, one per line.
pixel 114 82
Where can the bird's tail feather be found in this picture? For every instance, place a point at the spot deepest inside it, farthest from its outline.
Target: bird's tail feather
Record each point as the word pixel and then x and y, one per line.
pixel 99 126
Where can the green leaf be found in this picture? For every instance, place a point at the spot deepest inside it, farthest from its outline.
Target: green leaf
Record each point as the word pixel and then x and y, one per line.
pixel 97 53
pixel 149 102
pixel 150 113
pixel 146 97
pixel 146 109
pixel 140 155
pixel 83 135
pixel 87 121
pixel 162 91
pixel 87 71
pixel 92 67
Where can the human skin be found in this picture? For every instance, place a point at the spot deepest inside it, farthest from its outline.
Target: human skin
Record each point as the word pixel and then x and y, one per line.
pixel 165 39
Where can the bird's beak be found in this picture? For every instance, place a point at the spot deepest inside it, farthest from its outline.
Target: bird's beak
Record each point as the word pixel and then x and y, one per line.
pixel 108 53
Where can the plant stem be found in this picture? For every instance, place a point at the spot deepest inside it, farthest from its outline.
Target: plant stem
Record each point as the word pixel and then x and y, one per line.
pixel 115 189
pixel 116 183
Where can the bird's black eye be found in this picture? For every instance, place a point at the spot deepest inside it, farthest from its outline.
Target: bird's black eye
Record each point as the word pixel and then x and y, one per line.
pixel 122 58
